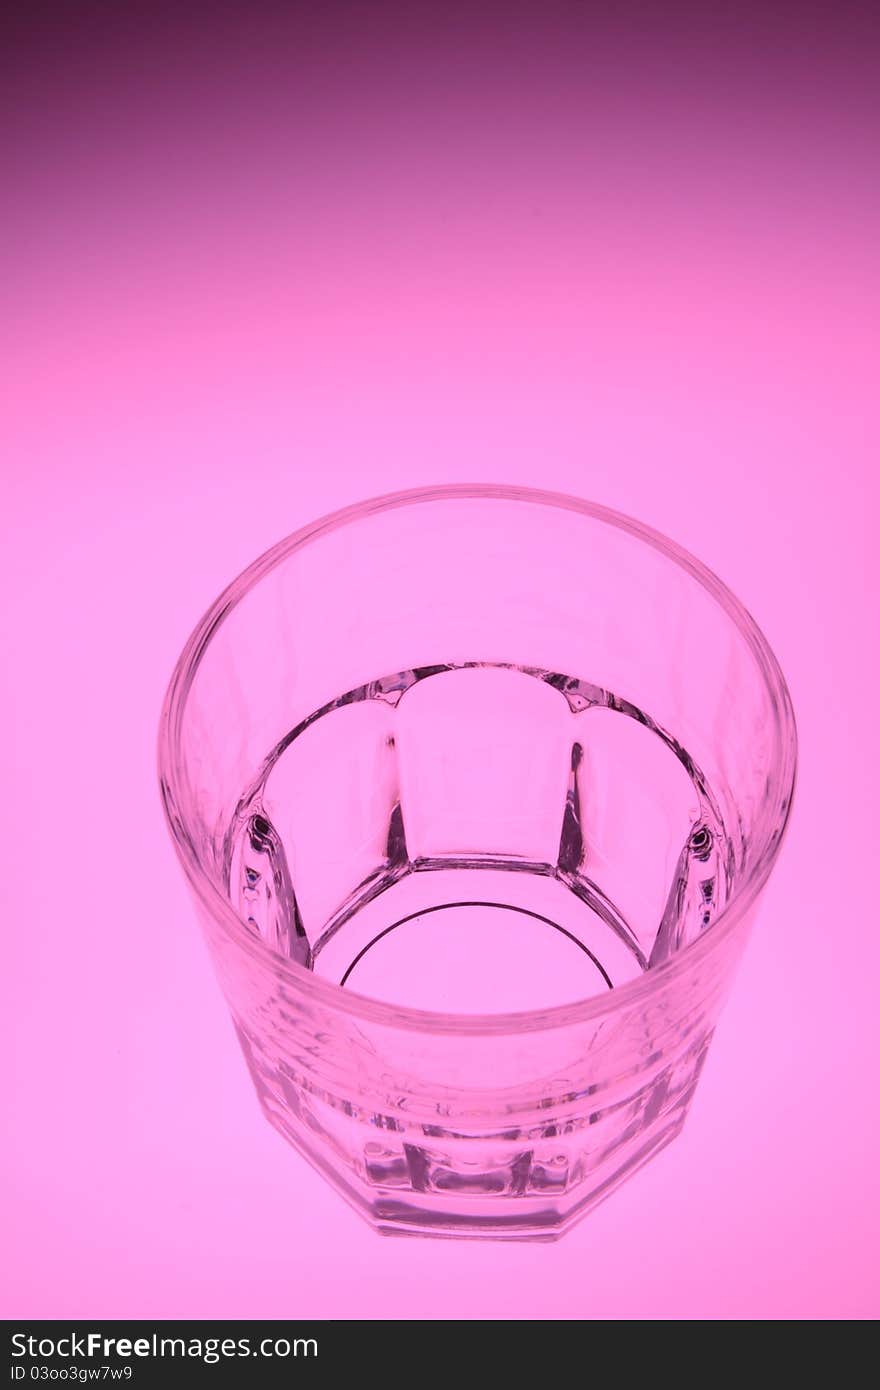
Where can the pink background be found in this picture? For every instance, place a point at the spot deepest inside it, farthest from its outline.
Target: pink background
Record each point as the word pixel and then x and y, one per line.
pixel 258 269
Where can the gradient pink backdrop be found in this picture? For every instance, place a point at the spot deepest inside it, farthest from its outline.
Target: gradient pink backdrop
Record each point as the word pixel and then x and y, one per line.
pixel 259 267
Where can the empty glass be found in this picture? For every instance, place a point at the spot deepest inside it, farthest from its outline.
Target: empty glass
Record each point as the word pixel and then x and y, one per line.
pixel 476 789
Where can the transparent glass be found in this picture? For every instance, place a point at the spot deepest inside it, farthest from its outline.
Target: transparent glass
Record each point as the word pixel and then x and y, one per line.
pixel 475 789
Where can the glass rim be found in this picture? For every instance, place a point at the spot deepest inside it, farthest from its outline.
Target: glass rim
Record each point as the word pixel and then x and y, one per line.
pixel 175 795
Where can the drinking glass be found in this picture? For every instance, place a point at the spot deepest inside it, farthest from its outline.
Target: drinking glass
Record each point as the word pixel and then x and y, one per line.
pixel 476 789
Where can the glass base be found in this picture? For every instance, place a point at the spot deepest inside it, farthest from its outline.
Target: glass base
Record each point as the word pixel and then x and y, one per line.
pixel 512 1218
pixel 531 1181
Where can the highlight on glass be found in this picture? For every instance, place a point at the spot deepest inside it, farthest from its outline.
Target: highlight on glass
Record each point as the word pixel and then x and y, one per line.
pixel 476 789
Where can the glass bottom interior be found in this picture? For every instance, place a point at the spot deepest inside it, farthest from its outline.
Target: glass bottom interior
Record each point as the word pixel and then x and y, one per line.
pixel 478 837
